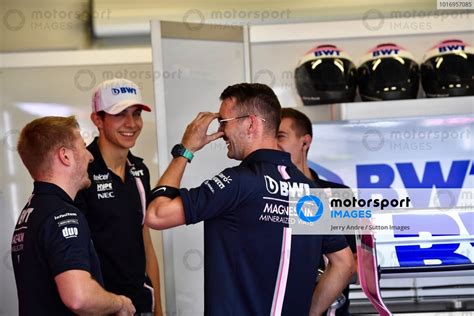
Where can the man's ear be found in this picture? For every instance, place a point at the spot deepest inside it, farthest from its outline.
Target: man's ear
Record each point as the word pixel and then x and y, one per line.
pixel 253 123
pixel 64 156
pixel 97 120
pixel 307 139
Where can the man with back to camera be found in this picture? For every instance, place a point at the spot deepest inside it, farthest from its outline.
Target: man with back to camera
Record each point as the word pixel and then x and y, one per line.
pixel 295 136
pixel 253 265
pixel 115 203
pixel 57 271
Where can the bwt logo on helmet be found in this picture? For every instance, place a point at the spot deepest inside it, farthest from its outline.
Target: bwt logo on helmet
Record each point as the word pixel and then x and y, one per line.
pixel 450 48
pixel 327 52
pixel 116 91
pixel 385 52
pixel 286 188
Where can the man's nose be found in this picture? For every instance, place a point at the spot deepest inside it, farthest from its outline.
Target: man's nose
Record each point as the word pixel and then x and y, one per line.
pixel 129 120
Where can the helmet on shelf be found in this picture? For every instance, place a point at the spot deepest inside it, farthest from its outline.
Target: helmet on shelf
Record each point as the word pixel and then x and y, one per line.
pixel 325 74
pixel 388 72
pixel 448 69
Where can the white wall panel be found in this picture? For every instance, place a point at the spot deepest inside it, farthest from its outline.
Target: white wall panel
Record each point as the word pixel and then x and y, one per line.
pixel 207 67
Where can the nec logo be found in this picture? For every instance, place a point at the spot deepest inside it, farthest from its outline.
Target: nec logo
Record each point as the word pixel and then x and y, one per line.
pixel 105 195
pixel 286 188
pixel 70 232
pixel 104 186
pixel 116 91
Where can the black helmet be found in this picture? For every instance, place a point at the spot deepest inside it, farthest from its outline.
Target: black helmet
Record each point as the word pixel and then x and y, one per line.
pixel 325 74
pixel 448 70
pixel 388 72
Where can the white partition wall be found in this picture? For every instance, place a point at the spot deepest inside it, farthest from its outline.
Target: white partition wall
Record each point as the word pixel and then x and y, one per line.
pixel 208 59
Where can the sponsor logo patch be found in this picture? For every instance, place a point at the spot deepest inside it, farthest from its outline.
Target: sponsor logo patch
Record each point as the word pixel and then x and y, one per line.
pixel 286 188
pixel 101 177
pixel 70 232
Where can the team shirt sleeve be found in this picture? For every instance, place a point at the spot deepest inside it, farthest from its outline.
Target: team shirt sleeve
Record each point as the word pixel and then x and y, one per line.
pixel 333 243
pixel 65 238
pixel 212 198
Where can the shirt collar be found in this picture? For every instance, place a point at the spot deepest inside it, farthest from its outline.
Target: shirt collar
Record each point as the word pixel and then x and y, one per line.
pixel 267 155
pixel 314 174
pixel 48 188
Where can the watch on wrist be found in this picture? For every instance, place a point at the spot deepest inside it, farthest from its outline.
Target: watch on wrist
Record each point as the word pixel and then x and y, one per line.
pixel 180 151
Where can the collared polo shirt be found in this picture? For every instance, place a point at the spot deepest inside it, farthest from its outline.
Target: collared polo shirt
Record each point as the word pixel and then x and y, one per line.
pixel 51 237
pixel 252 263
pixel 115 213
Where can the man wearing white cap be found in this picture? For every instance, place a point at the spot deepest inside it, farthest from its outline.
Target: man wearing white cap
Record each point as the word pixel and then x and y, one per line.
pixel 116 201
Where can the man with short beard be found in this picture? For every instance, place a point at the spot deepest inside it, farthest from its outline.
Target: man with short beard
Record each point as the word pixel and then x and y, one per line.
pixel 57 271
pixel 253 265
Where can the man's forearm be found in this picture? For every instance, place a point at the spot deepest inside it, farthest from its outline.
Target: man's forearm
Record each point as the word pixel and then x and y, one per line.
pixel 84 296
pixel 326 291
pixel 333 281
pixel 100 301
pixel 164 212
pixel 174 173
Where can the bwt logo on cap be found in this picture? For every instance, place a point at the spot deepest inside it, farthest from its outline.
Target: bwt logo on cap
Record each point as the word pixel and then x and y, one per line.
pixel 116 91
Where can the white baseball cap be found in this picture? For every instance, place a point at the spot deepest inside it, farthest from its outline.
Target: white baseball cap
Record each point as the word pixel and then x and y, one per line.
pixel 115 95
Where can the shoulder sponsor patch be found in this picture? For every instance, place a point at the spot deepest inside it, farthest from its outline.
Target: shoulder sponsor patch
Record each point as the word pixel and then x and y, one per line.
pixel 66 218
pixel 68 221
pixel 64 215
pixel 70 232
pixel 221 180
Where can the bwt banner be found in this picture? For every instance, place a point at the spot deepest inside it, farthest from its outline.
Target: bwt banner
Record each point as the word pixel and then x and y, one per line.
pixel 411 153
pixel 422 213
pixel 406 155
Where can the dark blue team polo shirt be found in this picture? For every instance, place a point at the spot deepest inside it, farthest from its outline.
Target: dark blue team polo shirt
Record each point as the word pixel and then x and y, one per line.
pixel 245 214
pixel 114 211
pixel 50 237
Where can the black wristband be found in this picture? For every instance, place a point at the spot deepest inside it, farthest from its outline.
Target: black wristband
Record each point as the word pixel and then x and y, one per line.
pixel 164 190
